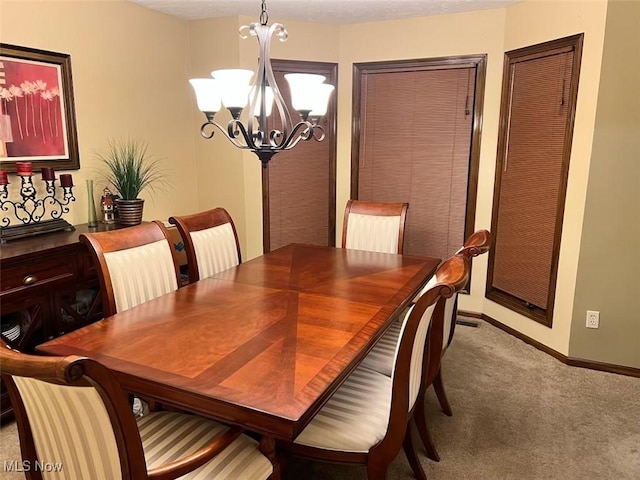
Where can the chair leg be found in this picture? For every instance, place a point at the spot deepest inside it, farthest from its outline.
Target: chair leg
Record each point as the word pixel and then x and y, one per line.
pixel 423 430
pixel 268 449
pixel 438 386
pixel 376 472
pixel 410 452
pixel 277 473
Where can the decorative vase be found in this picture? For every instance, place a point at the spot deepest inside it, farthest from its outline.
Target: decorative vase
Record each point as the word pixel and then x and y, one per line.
pixel 92 219
pixel 130 211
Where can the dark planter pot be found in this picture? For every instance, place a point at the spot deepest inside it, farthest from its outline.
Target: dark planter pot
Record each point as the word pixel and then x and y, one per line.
pixel 130 211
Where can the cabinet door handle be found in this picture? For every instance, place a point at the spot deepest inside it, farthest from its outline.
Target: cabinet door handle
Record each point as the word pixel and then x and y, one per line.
pixel 29 280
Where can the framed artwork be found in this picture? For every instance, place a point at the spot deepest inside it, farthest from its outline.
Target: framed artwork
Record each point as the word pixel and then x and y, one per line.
pixel 37 115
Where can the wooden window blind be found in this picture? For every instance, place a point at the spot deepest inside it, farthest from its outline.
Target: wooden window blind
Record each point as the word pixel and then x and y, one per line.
pixel 536 128
pixel 299 184
pixel 416 131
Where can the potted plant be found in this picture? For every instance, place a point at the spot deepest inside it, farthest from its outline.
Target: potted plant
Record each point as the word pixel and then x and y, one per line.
pixel 130 170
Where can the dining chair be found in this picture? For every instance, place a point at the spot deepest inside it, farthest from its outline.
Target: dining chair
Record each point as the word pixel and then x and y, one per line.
pixel 135 265
pixel 380 358
pixel 367 420
pixel 72 412
pixel 377 227
pixel 211 242
pixel 477 244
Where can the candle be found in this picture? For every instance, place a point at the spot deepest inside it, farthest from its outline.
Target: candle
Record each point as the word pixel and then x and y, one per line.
pixel 24 168
pixel 48 174
pixel 66 180
pixel 3 178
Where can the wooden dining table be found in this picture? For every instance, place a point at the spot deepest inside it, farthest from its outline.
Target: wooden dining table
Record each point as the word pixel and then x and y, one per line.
pixel 262 345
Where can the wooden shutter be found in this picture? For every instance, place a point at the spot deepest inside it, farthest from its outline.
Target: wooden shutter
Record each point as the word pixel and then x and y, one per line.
pixel 299 184
pixel 537 112
pixel 415 141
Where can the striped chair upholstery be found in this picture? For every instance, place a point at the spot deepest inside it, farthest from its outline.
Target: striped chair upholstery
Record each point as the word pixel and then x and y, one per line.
pixel 135 265
pixel 373 233
pixel 211 242
pixel 355 418
pixel 168 436
pixel 140 274
pixel 377 227
pixel 215 249
pixel 59 427
pixel 71 411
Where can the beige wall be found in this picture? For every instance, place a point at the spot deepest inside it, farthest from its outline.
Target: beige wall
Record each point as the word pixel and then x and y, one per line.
pixel 608 276
pixel 129 68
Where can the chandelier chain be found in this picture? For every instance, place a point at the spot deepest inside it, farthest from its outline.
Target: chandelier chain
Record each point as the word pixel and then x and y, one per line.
pixel 264 16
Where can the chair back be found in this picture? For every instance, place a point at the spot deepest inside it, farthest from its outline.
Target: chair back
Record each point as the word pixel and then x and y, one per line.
pixel 135 265
pixel 211 242
pixel 377 227
pixel 71 413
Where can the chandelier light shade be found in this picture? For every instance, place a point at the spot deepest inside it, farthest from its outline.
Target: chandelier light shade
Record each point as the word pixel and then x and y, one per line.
pixel 206 94
pixel 234 90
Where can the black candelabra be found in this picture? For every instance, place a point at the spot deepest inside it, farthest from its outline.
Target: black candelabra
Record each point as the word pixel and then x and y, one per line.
pixel 35 215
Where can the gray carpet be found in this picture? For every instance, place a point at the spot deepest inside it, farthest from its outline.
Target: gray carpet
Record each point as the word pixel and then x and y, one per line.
pixel 518 414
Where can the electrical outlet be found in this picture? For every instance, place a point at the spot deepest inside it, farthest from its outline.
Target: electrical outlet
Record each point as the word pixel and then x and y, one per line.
pixel 593 319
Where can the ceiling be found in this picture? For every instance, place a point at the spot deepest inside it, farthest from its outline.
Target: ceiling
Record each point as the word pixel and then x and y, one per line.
pixel 320 11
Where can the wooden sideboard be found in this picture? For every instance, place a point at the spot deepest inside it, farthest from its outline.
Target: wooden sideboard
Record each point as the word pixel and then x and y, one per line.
pixel 48 287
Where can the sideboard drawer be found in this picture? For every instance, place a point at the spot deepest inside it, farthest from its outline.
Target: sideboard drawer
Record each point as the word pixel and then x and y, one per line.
pixel 42 272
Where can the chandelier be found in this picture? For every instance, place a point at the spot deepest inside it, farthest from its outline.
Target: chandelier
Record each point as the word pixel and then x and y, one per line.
pixel 233 90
